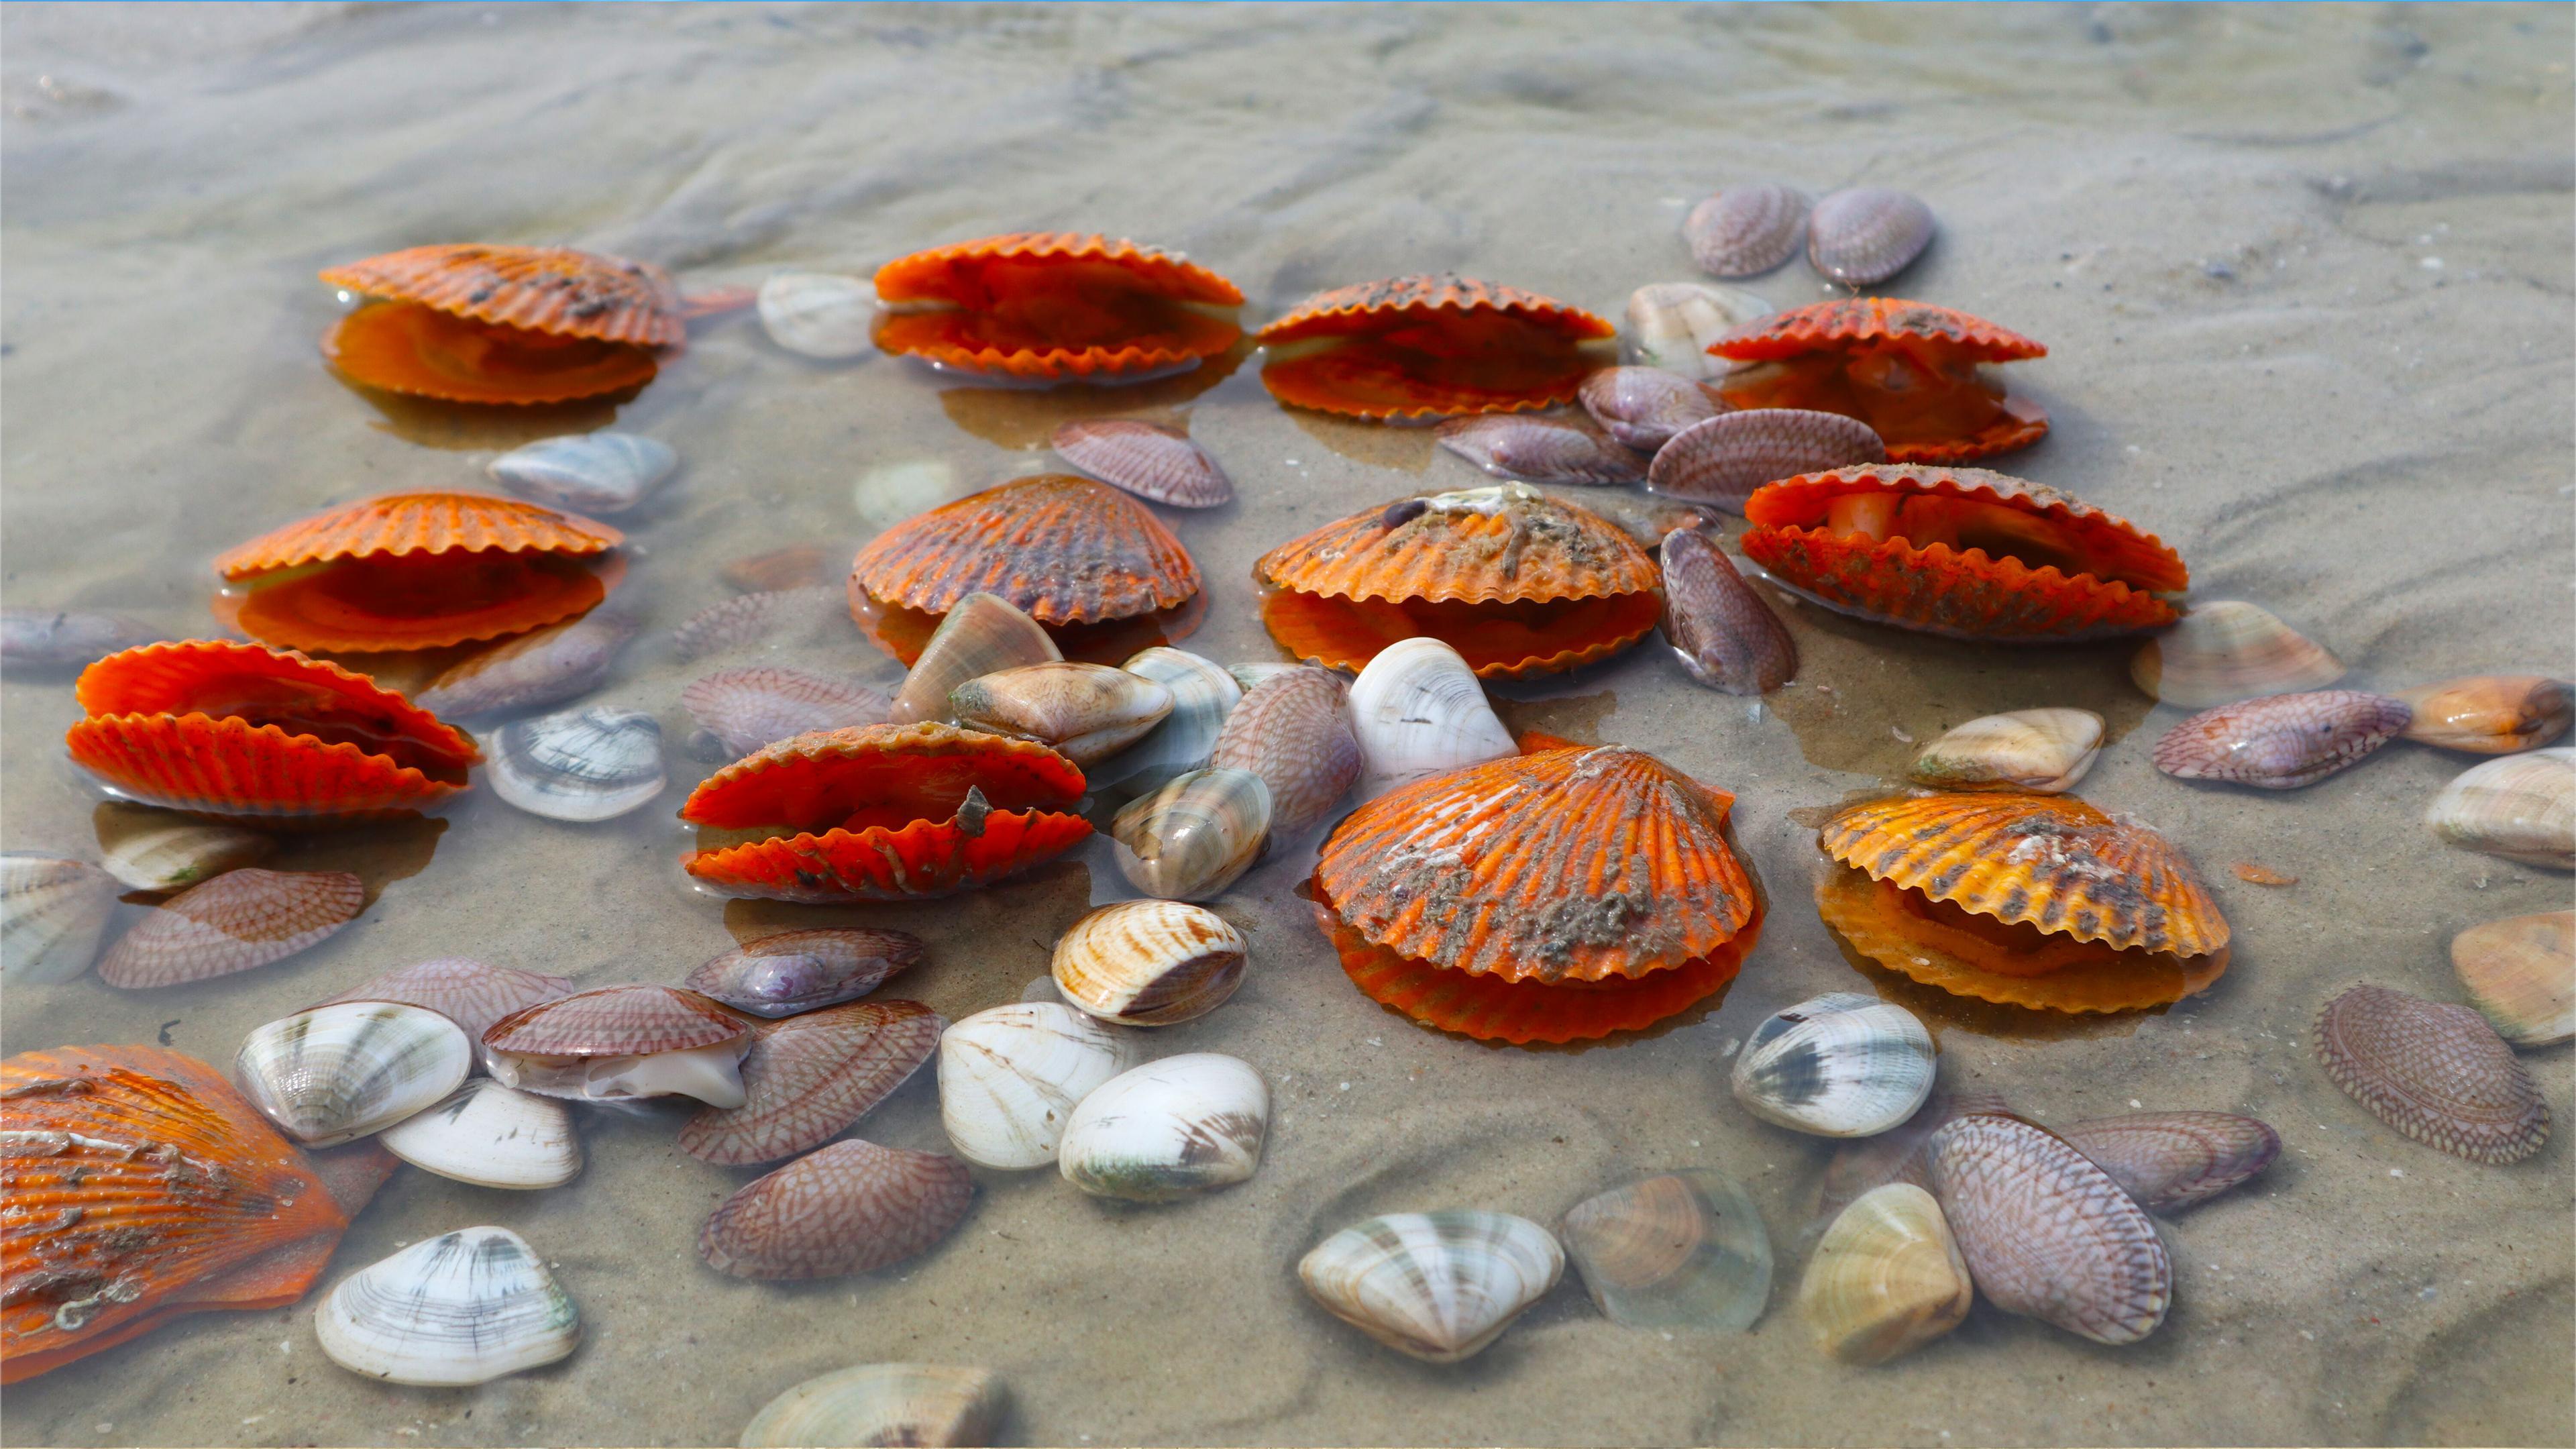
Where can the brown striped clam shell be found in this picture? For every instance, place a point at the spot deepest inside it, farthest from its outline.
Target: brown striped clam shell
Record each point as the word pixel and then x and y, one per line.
pixel 851 1207
pixel 1745 231
pixel 1294 731
pixel 1724 458
pixel 2281 741
pixel 1866 234
pixel 2434 1071
pixel 1153 462
pixel 2046 1233
pixel 2169 1161
pixel 1724 633
pixel 1541 448
pixel 238 920
pixel 1643 407
pixel 615 1021
pixel 473 994
pixel 739 710
pixel 807 1078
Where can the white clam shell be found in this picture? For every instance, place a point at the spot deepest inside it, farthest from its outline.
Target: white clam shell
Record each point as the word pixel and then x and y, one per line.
pixel 492 1136
pixel 581 765
pixel 1839 1065
pixel 2225 650
pixel 1088 712
pixel 1203 694
pixel 1886 1277
pixel 328 1074
pixel 602 472
pixel 1195 836
pixel 1671 324
pixel 1009 1079
pixel 883 1403
pixel 1682 1249
pixel 1149 963
pixel 2521 807
pixel 1440 1285
pixel 52 912
pixel 2047 750
pixel 1419 711
pixel 1168 1129
pixel 462 1308
pixel 162 850
pixel 819 314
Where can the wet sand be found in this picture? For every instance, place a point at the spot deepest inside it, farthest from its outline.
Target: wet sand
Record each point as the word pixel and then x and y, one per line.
pixel 2305 279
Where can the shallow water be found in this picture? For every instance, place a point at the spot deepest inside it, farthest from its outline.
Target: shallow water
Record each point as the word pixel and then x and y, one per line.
pixel 2304 277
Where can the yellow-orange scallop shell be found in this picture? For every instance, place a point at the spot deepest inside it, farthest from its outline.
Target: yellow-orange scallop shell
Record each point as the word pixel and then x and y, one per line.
pixel 556 290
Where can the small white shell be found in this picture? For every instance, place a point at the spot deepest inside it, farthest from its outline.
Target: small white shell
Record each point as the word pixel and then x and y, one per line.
pixel 586 472
pixel 2047 750
pixel 1419 711
pixel 1088 712
pixel 819 314
pixel 1671 324
pixel 1839 1065
pixel 492 1136
pixel 1192 838
pixel 1886 1277
pixel 580 765
pixel 163 850
pixel 1009 1079
pixel 1439 1286
pixel 328 1074
pixel 2226 650
pixel 1203 694
pixel 462 1308
pixel 1168 1129
pixel 1149 963
pixel 2521 807
pixel 883 1403
pixel 52 912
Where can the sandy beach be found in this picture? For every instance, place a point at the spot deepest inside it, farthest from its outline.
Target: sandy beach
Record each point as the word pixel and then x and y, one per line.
pixel 2305 279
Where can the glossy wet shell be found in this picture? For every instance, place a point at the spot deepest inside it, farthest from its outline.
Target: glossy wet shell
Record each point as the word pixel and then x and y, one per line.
pixel 793 971
pixel 141 1186
pixel 2048 1234
pixel 615 1021
pixel 1723 459
pixel 2491 714
pixel 808 1077
pixel 1643 407
pixel 1540 449
pixel 1059 548
pixel 1862 236
pixel 2521 807
pixel 418 523
pixel 2051 861
pixel 1331 313
pixel 1149 963
pixel 236 921
pixel 1745 231
pixel 2434 1071
pixel 852 1207
pixel 2169 1161
pixel 1294 731
pixel 1725 634
pixel 1886 1277
pixel 1482 545
pixel 541 289
pixel 1568 865
pixel 1147 459
pixel 471 993
pixel 1438 1286
pixel 953 277
pixel 1860 319
pixel 2281 741
pixel 883 1403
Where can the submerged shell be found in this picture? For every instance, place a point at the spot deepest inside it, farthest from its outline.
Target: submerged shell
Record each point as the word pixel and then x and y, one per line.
pixel 1724 459
pixel 49 641
pixel 1671 324
pixel 1149 963
pixel 539 289
pixel 1541 449
pixel 603 472
pixel 1839 1065
pixel 463 1308
pixel 1683 1249
pixel 1724 633
pixel 2434 1071
pixel 1745 231
pixel 2281 741
pixel 471 993
pixel 581 765
pixel 1062 549
pixel 2520 807
pixel 883 1403
pixel 2046 1233
pixel 1418 710
pixel 789 566
pixel 2225 650
pixel 809 1077
pixel 160 850
pixel 1088 712
pixel 1643 407
pixel 793 971
pixel 852 1207
pixel 1886 1277
pixel 2491 714
pixel 491 1136
pixel 1190 839
pixel 238 920
pixel 1867 234
pixel 619 1042
pixel 1203 694
pixel 819 314
pixel 748 619
pixel 1147 459
pixel 984 634
pixel 2046 750
pixel 2521 972
pixel 1170 1129
pixel 1009 1078
pixel 2169 1161
pixel 741 710
pixel 52 912
pixel 329 1074
pixel 1440 1285
pixel 1294 731
pixel 543 667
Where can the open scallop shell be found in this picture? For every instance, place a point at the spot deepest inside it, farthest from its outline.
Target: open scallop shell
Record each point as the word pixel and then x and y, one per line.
pixel 463 1308
pixel 1054 305
pixel 1905 368
pixel 1439 1286
pixel 539 289
pixel 1421 346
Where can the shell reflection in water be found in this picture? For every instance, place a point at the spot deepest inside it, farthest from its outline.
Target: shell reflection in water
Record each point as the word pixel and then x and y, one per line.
pixel 601 472
pixel 793 971
pixel 52 912
pixel 1169 1129
pixel 1745 231
pixel 1554 449
pixel 2434 1071
pixel 2047 750
pixel 1723 632
pixel 2226 650
pixel 491 1136
pixel 1671 324
pixel 1149 963
pixel 883 1403
pixel 1678 1250
pixel 984 634
pixel 1840 1065
pixel 1867 234
pixel 2520 807
pixel 1886 1277
pixel 1088 712
pixel 582 765
pixel 462 1308
pixel 2491 714
pixel 818 314
pixel 2281 741
pixel 1440 1285
pixel 1203 694
pixel 332 1073
pixel 2169 1161
pixel 163 850
pixel 1191 839
pixel 1417 710
pixel 53 641
pixel 2045 1232
pixel 2521 972
pixel 1009 1078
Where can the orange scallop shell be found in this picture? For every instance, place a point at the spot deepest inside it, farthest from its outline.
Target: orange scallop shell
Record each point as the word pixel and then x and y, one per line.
pixel 540 289
pixel 1821 325
pixel 412 523
pixel 1331 313
pixel 1578 864
pixel 1965 594
pixel 1420 346
pixel 1061 549
pixel 413 348
pixel 1090 306
pixel 878 813
pixel 239 730
pixel 139 1187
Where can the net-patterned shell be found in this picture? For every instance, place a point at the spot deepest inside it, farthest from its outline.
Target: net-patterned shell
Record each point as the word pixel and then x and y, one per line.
pixel 1566 865
pixel 2050 861
pixel 420 523
pixel 946 307
pixel 542 289
pixel 1328 313
pixel 1061 549
pixel 140 1187
pixel 2046 1232
pixel 238 920
pixel 852 1207
pixel 1484 545
pixel 2434 1071
pixel 473 994
pixel 615 1021
pixel 1862 319
pixel 810 1076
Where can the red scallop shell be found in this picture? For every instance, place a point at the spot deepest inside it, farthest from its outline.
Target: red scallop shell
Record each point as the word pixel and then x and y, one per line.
pixel 1421 346
pixel 1821 325
pixel 1333 313
pixel 1054 304
pixel 808 1077
pixel 852 1207
pixel 615 1021
pixel 235 729
pixel 140 1185
pixel 1061 549
pixel 417 350
pixel 541 289
pixel 1965 594
pixel 238 920
pixel 1933 336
